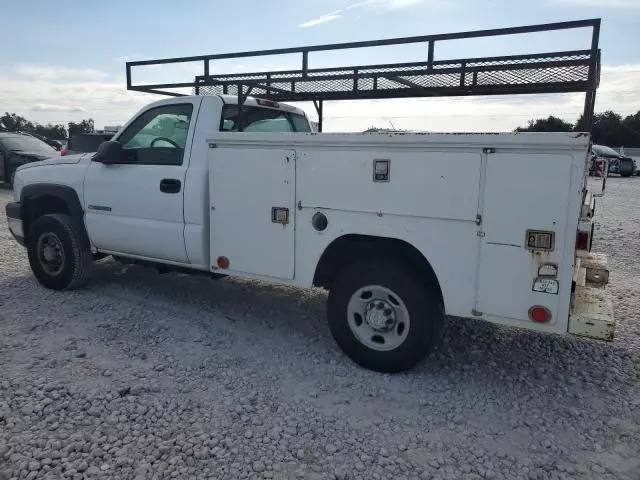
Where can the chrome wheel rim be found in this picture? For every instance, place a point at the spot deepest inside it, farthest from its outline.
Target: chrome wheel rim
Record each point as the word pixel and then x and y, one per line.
pixel 50 253
pixel 378 317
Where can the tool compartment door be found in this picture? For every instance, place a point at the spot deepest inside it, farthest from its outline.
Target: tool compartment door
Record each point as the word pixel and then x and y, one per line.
pixel 522 191
pixel 251 192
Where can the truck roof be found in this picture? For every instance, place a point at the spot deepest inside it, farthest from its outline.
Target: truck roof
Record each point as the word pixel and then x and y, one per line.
pixel 255 102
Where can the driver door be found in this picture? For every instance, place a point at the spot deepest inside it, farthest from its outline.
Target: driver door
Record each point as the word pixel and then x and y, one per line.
pixel 136 207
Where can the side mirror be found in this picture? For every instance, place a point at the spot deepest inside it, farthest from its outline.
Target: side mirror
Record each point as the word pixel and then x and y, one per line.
pixel 109 152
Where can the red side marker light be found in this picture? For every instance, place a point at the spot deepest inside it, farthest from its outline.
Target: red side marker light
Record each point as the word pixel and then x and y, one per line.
pixel 223 263
pixel 582 241
pixel 267 103
pixel 539 314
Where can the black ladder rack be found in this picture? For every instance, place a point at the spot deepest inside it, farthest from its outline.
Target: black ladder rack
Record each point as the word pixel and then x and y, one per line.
pixel 547 72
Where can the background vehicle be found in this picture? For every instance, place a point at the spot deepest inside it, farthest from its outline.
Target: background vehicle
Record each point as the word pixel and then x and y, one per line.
pixel 19 148
pixel 55 144
pixel 626 166
pixel 400 228
pixel 634 155
pixel 619 164
pixel 84 143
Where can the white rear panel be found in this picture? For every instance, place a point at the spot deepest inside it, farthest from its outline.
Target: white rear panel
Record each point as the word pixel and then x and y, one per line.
pixel 522 191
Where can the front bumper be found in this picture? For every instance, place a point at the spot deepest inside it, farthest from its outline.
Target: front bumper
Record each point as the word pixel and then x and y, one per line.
pixel 14 219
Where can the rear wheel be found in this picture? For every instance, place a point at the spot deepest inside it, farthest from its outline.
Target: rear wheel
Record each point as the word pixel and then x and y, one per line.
pixel 383 317
pixel 59 252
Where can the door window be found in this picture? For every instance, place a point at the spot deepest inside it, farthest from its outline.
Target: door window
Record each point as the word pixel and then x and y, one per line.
pixel 158 136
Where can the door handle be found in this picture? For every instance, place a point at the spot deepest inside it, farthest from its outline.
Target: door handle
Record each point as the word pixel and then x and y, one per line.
pixel 170 185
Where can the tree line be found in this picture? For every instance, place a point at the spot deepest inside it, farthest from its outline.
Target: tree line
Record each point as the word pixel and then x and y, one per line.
pixel 609 128
pixel 11 122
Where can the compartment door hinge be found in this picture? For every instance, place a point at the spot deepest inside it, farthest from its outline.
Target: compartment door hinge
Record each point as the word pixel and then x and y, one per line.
pixel 478 219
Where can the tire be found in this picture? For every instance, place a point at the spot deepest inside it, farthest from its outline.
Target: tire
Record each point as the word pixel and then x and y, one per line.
pixel 395 288
pixel 59 233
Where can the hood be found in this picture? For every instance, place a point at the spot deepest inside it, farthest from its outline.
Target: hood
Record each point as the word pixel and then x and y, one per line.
pixel 31 154
pixel 67 159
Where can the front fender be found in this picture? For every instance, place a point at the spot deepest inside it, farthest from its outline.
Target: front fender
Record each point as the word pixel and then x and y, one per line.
pixel 51 173
pixel 44 198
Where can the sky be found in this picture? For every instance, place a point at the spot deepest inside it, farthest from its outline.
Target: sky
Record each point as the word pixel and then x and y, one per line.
pixel 62 64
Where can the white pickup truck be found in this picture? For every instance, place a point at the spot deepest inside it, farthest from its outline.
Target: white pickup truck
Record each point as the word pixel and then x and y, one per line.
pixel 400 228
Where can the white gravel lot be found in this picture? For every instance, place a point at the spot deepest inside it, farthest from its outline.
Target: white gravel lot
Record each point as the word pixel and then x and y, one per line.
pixel 149 376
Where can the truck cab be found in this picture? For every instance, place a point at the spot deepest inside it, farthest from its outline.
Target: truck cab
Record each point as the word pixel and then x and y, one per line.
pixel 163 220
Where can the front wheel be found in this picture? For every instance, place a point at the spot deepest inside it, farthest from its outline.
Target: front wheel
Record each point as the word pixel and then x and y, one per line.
pixel 383 317
pixel 59 252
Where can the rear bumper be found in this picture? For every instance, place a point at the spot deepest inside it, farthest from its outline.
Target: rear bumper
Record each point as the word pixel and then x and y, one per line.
pixel 591 313
pixel 14 219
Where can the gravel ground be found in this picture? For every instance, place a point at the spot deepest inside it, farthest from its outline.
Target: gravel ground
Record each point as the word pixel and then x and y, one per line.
pixel 143 376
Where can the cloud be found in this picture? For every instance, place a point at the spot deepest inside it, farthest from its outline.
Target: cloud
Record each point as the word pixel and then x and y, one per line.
pixel 63 94
pixel 42 107
pixel 360 4
pixel 128 58
pixel 619 89
pixel 322 19
pixel 378 4
pixel 399 4
pixel 602 3
pixel 47 72
pixel 389 4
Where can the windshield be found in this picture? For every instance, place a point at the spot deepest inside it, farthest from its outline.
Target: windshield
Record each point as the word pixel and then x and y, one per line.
pixel 256 119
pixel 25 143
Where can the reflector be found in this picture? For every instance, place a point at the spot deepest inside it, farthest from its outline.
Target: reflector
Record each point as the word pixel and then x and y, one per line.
pixel 539 314
pixel 223 262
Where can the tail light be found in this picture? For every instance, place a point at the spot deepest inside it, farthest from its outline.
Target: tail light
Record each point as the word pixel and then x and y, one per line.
pixel 64 151
pixel 582 240
pixel 539 314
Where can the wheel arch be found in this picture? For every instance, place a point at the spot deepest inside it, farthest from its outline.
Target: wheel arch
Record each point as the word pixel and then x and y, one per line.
pixel 349 249
pixel 42 199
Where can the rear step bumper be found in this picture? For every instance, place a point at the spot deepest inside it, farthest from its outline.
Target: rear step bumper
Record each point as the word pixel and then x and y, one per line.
pixel 591 312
